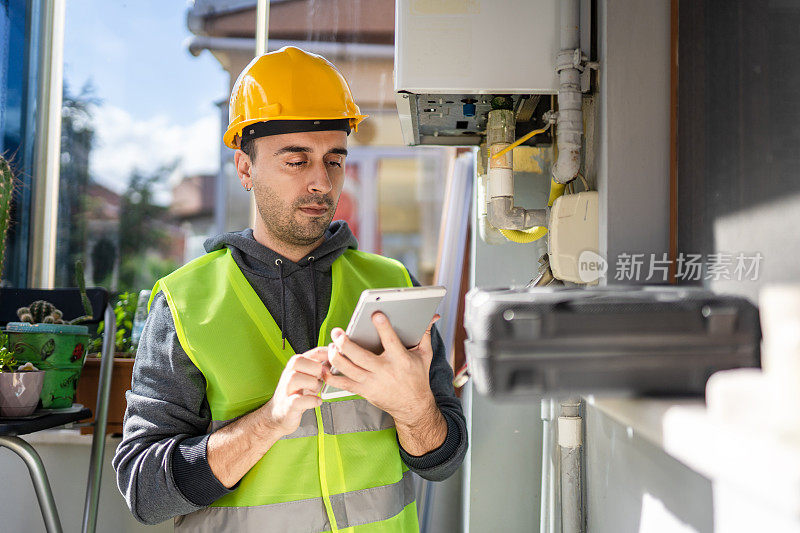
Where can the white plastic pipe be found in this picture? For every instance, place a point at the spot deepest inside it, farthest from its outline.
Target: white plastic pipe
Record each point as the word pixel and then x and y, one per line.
pixel 547 473
pixel 569 127
pixel 501 212
pixel 570 442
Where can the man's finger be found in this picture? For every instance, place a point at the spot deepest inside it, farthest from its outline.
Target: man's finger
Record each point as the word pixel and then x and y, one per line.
pixel 389 338
pixel 299 381
pixel 358 355
pixel 342 382
pixel 304 402
pixel 309 366
pixel 319 353
pixel 344 365
pixel 425 341
pixel 433 321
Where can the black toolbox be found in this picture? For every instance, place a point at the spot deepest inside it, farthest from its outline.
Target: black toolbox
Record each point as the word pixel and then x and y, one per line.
pixel 631 340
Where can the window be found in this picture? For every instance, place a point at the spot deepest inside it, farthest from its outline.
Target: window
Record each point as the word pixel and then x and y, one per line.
pixel 18 82
pixel 139 123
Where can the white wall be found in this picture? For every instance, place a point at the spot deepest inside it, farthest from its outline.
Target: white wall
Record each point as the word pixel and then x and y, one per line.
pixel 66 459
pixel 634 486
pixel 631 484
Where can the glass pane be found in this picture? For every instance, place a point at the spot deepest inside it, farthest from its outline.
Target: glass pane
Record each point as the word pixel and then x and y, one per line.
pixel 139 121
pixel 18 52
pixel 392 194
pixel 144 176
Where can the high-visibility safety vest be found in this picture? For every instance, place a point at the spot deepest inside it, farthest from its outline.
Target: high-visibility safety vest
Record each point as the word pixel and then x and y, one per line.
pixel 341 470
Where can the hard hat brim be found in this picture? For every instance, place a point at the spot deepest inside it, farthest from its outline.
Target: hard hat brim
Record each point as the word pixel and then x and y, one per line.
pixel 233 134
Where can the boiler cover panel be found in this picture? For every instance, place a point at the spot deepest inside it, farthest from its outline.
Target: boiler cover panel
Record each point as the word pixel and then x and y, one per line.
pixel 476 46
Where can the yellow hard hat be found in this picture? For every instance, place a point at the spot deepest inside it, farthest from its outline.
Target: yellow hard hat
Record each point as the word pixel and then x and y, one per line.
pixel 289 84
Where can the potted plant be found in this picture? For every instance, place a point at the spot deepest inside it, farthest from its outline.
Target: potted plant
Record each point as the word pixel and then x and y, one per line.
pixel 20 385
pixel 58 347
pixel 122 372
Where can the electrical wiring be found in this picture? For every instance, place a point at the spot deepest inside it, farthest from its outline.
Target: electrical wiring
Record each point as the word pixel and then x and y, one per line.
pixel 585 182
pixel 520 141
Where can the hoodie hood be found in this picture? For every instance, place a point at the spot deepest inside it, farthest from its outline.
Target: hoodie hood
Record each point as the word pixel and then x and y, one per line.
pixel 256 258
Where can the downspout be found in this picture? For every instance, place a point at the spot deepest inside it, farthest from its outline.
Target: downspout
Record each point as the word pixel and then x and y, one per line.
pixel 569 125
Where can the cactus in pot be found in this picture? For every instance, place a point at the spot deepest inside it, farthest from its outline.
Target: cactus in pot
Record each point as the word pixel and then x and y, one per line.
pixel 7 186
pixel 43 312
pixel 53 344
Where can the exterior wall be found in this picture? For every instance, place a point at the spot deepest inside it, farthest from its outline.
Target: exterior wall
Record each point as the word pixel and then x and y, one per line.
pixel 634 485
pixel 65 455
pixel 631 484
pixel 633 171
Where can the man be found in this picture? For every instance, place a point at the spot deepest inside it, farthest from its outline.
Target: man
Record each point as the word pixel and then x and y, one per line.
pixel 224 428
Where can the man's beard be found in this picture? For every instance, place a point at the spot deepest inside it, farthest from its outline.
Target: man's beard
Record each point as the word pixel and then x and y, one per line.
pixel 287 223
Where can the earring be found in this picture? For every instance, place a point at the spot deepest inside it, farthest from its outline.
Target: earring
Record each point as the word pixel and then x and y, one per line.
pixel 248 189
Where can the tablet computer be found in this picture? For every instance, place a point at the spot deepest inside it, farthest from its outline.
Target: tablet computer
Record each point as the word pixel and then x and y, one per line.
pixel 409 310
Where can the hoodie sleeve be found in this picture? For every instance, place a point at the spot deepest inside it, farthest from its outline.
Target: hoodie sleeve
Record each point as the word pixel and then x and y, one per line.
pixel 441 463
pixel 161 463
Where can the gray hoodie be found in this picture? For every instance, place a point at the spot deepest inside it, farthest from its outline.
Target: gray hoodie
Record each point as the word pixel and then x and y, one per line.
pixel 161 464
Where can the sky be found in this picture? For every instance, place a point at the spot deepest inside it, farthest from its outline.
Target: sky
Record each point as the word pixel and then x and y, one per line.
pixel 157 100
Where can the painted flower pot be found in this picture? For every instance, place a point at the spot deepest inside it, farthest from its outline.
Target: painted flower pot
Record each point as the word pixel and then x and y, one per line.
pixel 19 392
pixel 59 350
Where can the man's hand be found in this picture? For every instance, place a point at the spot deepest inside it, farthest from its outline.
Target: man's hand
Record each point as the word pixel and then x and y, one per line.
pixel 396 381
pixel 297 390
pixel 234 449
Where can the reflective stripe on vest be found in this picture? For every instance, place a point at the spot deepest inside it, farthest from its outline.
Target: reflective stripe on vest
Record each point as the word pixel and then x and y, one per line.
pixel 352 509
pixel 344 453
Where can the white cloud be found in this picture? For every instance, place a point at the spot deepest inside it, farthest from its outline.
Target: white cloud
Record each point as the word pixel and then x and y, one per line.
pixel 123 142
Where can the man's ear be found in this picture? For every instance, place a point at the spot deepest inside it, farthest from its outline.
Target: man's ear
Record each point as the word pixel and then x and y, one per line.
pixel 244 168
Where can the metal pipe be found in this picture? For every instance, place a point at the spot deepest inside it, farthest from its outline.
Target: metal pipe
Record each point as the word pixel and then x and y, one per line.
pixel 570 442
pixel 47 505
pixel 570 34
pixel 547 470
pixel 569 127
pixel 262 26
pixel 554 491
pixel 96 456
pixel 46 166
pixel 198 43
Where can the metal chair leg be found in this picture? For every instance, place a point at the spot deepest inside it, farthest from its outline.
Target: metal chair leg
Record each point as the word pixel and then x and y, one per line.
pixel 39 477
pixel 92 501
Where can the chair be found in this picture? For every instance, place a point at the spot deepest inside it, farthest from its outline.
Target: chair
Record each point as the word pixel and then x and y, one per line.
pixel 68 300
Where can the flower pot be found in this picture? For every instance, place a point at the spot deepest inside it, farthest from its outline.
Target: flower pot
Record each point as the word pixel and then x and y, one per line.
pixel 59 350
pixel 121 376
pixel 19 392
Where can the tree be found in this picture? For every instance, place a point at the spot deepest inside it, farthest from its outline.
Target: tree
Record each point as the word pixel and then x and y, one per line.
pixel 141 231
pixel 104 255
pixel 77 135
